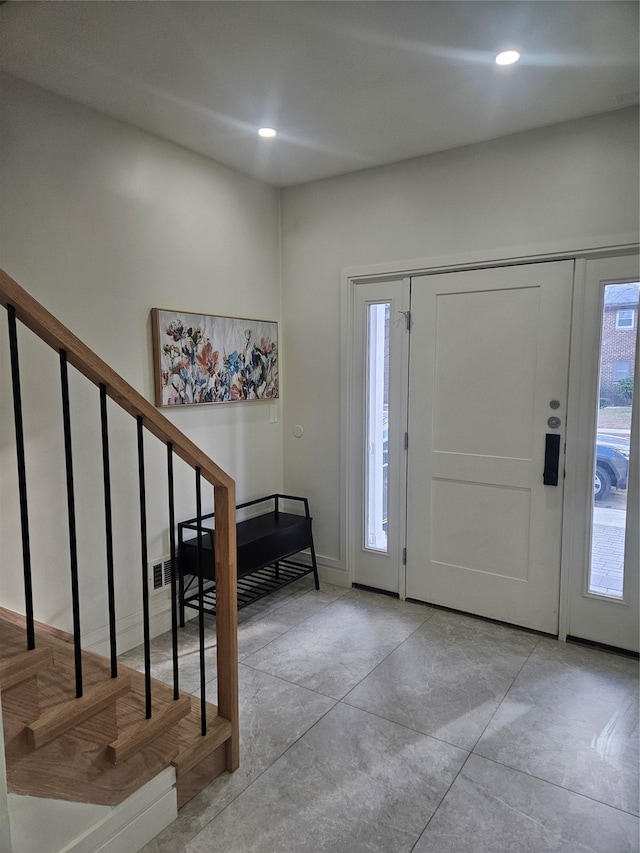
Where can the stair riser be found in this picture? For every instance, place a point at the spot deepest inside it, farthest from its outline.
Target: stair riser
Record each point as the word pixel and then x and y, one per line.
pixel 197 779
pixel 19 706
pixel 74 712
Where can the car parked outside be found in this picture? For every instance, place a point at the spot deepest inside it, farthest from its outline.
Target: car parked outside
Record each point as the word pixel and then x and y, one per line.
pixel 612 464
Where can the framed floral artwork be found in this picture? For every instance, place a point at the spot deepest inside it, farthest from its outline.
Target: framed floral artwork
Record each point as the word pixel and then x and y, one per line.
pixel 205 358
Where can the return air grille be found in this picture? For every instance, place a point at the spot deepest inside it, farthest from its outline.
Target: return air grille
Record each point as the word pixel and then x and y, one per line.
pixel 159 575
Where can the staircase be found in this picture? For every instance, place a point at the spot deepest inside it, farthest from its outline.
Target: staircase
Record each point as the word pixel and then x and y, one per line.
pixel 101 748
pixel 79 727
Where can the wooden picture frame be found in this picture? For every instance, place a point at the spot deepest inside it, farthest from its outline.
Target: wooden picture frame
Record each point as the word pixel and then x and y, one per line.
pixel 208 358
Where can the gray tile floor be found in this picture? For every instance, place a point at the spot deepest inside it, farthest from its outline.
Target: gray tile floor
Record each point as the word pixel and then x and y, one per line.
pixel 370 724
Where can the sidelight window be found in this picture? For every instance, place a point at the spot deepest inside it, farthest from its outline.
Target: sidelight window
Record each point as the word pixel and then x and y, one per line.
pixel 613 445
pixel 377 435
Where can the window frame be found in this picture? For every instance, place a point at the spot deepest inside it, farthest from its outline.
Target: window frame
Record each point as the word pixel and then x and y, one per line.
pixel 625 328
pixel 626 362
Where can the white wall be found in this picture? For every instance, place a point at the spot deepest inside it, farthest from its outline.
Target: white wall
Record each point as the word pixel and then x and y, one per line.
pixel 570 183
pixel 101 222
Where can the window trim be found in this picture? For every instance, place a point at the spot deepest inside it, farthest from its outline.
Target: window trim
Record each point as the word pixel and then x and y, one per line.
pixel 628 368
pixel 625 328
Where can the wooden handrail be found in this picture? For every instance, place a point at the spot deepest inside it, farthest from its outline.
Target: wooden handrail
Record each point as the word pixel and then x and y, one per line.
pixel 35 317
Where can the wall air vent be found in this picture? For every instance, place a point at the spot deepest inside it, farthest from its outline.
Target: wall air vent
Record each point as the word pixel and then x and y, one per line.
pixel 159 575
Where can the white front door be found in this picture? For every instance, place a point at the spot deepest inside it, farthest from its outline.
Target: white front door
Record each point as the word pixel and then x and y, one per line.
pixel 487 410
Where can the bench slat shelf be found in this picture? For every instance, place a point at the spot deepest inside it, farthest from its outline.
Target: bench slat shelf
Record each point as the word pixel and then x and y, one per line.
pixel 266 544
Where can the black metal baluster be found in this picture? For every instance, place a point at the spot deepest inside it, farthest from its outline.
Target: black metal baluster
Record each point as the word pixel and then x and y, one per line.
pixel 203 698
pixel 172 544
pixel 71 509
pixel 180 576
pixel 145 582
pixel 108 524
pixel 22 477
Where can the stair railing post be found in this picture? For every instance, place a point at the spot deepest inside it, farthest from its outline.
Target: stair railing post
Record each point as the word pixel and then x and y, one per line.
pixel 227 616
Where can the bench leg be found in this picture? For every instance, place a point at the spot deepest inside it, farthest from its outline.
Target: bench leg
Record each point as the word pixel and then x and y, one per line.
pixel 314 564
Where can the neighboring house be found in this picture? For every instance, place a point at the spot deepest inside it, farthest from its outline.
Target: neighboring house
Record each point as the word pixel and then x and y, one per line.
pixel 619 330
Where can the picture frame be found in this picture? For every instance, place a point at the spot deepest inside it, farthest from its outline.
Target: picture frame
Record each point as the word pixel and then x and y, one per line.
pixel 209 358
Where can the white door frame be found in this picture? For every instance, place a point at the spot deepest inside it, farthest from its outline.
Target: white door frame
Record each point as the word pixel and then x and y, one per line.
pixel 581 433
pixel 387 566
pixel 627 244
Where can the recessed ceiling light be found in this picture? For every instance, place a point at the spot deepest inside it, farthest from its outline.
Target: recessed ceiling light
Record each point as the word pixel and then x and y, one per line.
pixel 507 57
pixel 267 132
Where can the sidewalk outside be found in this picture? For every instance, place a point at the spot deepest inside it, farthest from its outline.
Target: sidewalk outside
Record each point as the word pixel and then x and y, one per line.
pixel 607 553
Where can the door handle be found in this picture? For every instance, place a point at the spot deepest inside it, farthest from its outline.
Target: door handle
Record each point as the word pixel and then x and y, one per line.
pixel 551 459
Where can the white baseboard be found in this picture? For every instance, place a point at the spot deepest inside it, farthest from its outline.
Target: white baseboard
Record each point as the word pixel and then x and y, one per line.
pixel 58 826
pixel 332 571
pixel 129 629
pixel 5 834
pixel 142 816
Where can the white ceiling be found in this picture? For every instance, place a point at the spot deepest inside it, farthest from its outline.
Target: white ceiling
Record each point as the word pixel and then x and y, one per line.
pixel 348 85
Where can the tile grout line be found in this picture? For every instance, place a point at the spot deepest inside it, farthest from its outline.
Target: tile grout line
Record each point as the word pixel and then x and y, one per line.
pixel 266 645
pixel 395 649
pixel 262 772
pixel 556 785
pixel 291 628
pixel 517 770
pixel 288 630
pixel 335 703
pixel 282 754
pixel 507 691
pixel 343 701
pixel 471 751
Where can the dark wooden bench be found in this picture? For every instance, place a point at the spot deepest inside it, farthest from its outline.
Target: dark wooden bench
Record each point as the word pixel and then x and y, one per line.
pixel 265 545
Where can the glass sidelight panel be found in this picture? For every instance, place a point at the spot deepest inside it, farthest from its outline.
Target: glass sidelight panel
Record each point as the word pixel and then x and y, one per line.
pixel 377 427
pixel 618 345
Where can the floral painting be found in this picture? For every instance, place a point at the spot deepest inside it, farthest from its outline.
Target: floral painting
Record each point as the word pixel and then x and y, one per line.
pixel 203 358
